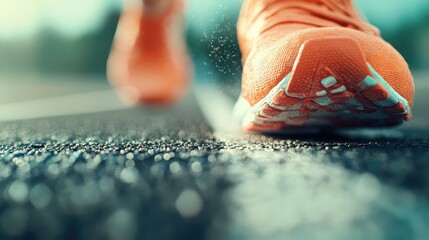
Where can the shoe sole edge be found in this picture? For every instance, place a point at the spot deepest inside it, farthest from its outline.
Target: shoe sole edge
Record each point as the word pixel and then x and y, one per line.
pixel 331 85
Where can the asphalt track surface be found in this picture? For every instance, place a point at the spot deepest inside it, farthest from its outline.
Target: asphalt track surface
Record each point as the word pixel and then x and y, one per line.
pixel 142 173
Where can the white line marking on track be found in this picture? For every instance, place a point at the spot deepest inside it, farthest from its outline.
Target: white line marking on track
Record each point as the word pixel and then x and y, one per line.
pixel 91 102
pixel 217 108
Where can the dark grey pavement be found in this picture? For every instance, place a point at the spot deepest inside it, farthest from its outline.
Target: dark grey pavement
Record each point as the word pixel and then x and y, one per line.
pixel 165 174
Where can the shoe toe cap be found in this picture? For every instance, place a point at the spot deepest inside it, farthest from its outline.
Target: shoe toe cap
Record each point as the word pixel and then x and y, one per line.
pixel 274 58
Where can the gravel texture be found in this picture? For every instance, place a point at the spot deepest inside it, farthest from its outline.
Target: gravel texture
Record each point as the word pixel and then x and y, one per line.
pixel 164 174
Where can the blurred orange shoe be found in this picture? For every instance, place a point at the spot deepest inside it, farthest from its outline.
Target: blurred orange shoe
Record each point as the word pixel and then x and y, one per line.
pixel 149 62
pixel 317 63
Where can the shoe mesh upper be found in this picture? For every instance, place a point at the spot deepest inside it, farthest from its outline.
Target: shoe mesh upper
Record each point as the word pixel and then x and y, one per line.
pixel 271 33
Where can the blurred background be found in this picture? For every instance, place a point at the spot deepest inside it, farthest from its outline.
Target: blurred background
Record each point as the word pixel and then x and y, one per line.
pixel 68 41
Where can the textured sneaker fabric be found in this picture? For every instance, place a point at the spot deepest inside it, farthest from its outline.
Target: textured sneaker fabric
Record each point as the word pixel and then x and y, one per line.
pixel 271 33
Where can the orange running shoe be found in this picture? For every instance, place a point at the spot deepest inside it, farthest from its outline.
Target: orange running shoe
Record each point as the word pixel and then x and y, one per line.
pixel 149 62
pixel 317 63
